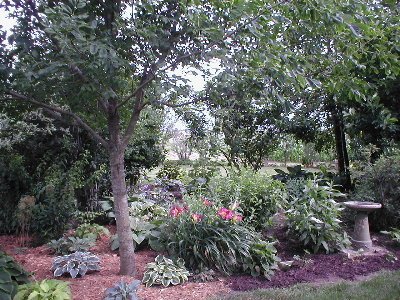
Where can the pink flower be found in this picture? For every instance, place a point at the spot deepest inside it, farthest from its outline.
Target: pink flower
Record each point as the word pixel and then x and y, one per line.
pixel 225 214
pixel 207 202
pixel 176 211
pixel 197 217
pixel 237 218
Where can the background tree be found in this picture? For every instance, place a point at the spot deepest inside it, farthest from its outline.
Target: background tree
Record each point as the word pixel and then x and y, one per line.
pixel 92 63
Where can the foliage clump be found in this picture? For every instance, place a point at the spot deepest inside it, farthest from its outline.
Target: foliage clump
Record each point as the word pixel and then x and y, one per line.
pixel 123 291
pixel 91 231
pixel 259 196
pixel 170 171
pixel 207 236
pixel 70 244
pixel 44 290
pixel 11 275
pixel 314 214
pixel 379 182
pixel 78 263
pixel 165 271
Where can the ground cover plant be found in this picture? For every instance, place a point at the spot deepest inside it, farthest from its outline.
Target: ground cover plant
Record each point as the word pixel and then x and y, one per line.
pixel 165 271
pixel 71 244
pixel 123 291
pixel 11 275
pixel 77 263
pixel 44 290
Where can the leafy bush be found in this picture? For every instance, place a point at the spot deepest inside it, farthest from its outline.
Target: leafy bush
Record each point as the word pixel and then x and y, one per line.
pixel 75 264
pixel 394 233
pixel 44 290
pixel 145 219
pixel 170 171
pixel 262 259
pixel 70 244
pixel 208 236
pixel 380 183
pixel 165 271
pixel 295 172
pixel 90 231
pixel 50 217
pixel 123 291
pixel 89 217
pixel 11 275
pixel 259 196
pixel 313 216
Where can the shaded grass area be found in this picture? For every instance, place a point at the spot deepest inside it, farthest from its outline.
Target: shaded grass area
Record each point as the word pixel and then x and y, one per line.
pixel 384 286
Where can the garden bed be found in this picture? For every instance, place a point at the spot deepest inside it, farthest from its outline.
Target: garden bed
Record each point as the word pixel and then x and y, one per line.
pixel 313 268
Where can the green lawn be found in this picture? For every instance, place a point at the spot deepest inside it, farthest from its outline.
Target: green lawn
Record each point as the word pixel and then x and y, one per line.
pixel 384 286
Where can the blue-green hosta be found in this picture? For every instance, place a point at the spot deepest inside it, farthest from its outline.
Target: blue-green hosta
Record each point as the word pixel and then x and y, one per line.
pixel 78 263
pixel 314 216
pixel 71 244
pixel 123 291
pixel 165 271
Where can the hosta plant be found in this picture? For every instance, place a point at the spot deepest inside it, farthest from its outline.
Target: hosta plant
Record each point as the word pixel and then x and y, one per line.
pixel 11 275
pixel 71 244
pixel 123 291
pixel 91 231
pixel 314 217
pixel 78 263
pixel 165 271
pixel 44 290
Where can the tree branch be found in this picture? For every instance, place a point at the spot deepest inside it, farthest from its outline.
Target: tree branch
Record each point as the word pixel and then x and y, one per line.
pixel 209 46
pixel 76 118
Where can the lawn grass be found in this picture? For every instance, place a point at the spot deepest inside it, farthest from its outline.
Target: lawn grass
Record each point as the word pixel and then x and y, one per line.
pixel 384 286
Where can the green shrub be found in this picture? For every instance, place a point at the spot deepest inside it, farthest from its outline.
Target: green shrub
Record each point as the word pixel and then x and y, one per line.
pixel 11 275
pixel 78 263
pixel 44 290
pixel 380 183
pixel 50 217
pixel 208 236
pixel 145 219
pixel 170 171
pixel 165 271
pixel 123 291
pixel 394 234
pixel 90 217
pixel 91 231
pixel 313 216
pixel 259 196
pixel 70 244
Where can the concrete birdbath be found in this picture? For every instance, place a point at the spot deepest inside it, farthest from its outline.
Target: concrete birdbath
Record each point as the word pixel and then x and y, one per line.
pixel 361 237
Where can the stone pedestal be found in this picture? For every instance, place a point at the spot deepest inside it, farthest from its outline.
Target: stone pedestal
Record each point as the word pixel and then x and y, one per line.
pixel 361 237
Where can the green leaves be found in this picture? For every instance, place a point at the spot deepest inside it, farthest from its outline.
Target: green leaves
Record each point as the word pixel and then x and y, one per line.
pixel 11 275
pixel 78 263
pixel 44 290
pixel 313 215
pixel 165 271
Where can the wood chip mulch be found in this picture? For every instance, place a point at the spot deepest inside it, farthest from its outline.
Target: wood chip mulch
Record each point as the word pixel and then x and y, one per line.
pixel 320 268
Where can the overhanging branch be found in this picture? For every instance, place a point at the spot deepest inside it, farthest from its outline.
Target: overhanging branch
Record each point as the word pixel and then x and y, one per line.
pixel 76 118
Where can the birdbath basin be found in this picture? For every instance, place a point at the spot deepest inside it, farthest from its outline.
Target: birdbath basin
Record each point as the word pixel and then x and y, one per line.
pixel 361 237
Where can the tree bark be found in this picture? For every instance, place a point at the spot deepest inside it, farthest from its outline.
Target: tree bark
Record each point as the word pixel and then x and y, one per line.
pixel 341 147
pixel 121 209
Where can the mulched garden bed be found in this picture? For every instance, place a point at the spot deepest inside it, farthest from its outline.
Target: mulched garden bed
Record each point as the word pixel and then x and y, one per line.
pixel 312 268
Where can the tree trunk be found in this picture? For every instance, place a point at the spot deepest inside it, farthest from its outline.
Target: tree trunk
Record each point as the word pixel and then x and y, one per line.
pixel 341 148
pixel 117 167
